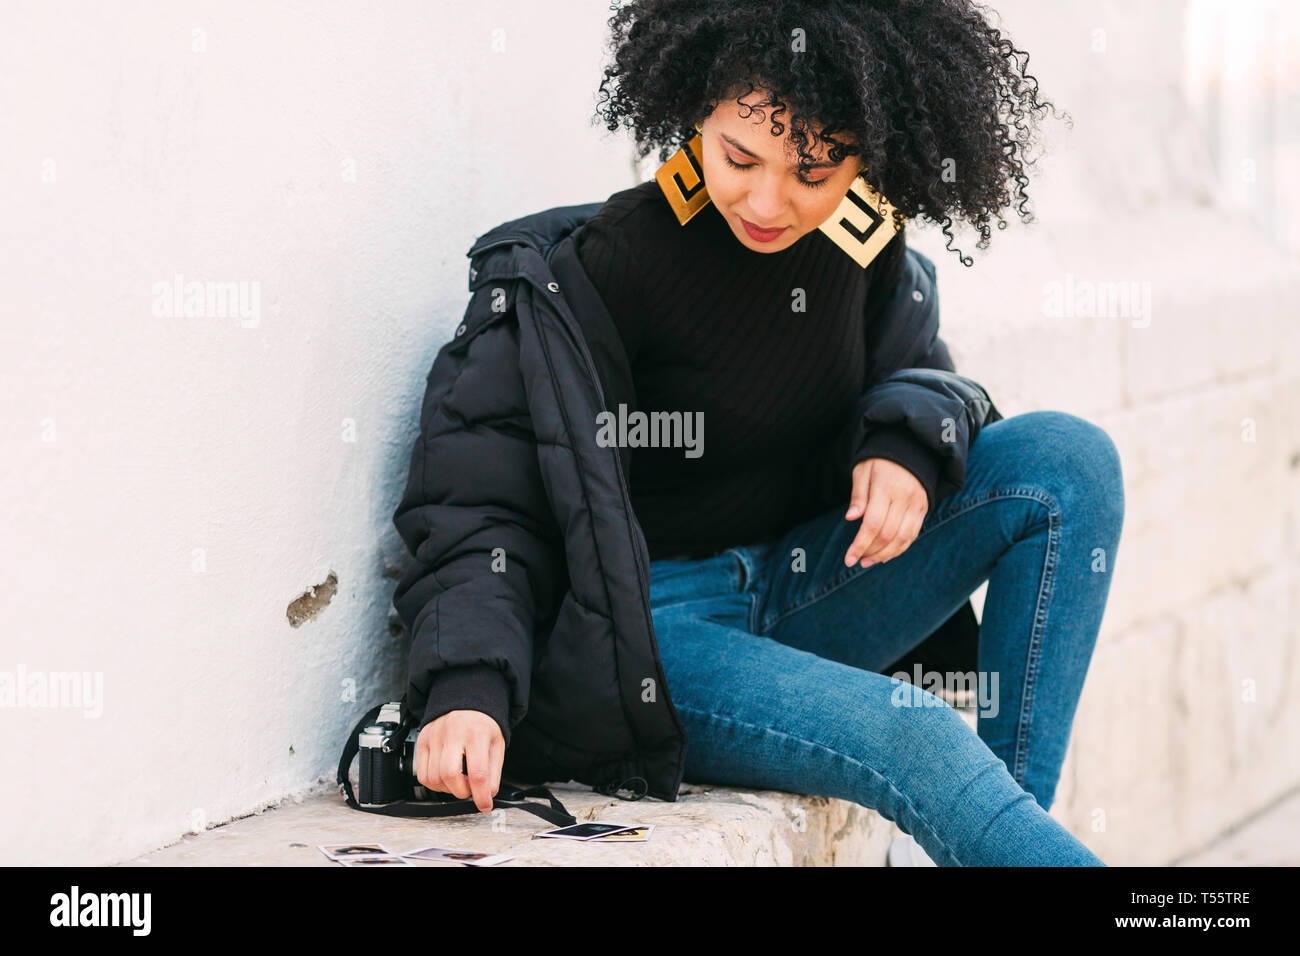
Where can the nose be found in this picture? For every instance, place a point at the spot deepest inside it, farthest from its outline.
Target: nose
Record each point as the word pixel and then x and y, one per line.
pixel 767 201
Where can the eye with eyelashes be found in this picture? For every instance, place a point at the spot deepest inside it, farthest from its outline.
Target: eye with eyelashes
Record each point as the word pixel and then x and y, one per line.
pixel 810 183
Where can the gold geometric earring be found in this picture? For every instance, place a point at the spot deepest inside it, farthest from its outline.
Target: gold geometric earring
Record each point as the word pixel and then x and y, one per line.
pixel 861 225
pixel 682 179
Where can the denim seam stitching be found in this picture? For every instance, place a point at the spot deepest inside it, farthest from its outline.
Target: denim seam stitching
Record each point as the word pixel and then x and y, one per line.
pixel 1024 720
pixel 1046 581
pixel 770 621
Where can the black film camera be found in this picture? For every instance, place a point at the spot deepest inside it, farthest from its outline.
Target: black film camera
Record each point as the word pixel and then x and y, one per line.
pixel 387 763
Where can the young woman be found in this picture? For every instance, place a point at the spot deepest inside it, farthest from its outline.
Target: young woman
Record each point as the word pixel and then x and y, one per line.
pixel 831 514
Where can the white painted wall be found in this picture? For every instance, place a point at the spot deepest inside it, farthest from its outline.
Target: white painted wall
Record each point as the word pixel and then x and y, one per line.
pixel 173 483
pixel 1188 721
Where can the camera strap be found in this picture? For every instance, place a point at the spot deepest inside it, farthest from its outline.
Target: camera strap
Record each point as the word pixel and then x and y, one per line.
pixel 508 796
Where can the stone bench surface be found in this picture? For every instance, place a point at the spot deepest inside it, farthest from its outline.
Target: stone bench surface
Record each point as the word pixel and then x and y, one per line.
pixel 706 826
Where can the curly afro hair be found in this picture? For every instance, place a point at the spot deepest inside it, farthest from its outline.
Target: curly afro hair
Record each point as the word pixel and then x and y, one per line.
pixel 938 99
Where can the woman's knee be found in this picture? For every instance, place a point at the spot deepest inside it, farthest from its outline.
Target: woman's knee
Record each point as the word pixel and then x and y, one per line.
pixel 918 724
pixel 1071 457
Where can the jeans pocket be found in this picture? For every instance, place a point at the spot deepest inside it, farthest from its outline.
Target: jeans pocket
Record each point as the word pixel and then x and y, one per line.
pixel 677 579
pixel 751 575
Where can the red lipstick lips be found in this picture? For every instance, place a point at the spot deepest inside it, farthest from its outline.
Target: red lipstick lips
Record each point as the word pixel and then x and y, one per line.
pixel 760 235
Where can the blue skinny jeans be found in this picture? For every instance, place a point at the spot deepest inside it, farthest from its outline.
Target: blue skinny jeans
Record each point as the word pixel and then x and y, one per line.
pixel 774 651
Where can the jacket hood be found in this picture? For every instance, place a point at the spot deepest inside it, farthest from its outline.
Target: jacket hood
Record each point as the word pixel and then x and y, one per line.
pixel 540 230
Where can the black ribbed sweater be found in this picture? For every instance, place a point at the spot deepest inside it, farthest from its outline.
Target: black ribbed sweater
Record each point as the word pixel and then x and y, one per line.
pixel 712 327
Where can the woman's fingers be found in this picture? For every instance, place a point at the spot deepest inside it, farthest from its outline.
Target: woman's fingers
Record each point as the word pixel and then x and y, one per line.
pixel 449 770
pixel 860 478
pixel 478 761
pixel 888 541
pixel 903 538
pixel 886 497
pixel 912 525
pixel 873 522
pixel 424 766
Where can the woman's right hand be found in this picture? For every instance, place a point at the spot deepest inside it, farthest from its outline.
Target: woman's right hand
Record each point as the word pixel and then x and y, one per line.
pixel 470 736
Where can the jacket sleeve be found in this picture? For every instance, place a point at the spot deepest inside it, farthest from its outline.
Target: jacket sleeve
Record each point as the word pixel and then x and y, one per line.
pixel 915 409
pixel 475 518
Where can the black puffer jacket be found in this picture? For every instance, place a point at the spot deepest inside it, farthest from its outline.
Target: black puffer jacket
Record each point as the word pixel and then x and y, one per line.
pixel 528 597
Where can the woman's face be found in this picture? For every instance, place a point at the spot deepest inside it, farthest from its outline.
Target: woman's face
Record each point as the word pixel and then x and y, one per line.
pixel 763 197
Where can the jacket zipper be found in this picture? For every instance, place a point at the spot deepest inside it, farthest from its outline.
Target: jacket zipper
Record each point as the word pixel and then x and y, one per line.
pixel 627 506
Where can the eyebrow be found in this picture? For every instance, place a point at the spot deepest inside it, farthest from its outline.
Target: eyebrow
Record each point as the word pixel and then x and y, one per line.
pixel 733 143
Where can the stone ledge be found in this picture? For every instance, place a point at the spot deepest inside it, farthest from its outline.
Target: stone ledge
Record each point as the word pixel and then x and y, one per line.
pixel 706 826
